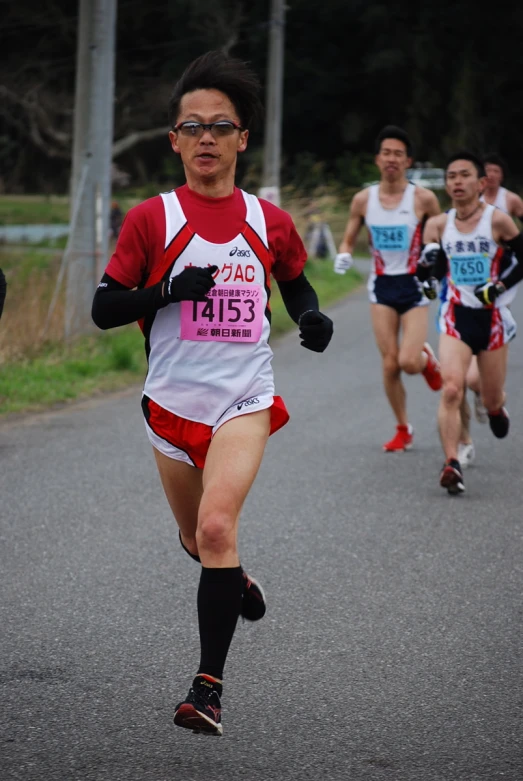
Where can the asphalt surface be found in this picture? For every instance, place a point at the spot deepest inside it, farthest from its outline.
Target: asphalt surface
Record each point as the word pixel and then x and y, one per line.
pixel 392 645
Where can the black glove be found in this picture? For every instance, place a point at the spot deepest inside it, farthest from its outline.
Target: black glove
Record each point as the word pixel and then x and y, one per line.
pixel 430 288
pixel 315 330
pixel 427 261
pixel 192 284
pixel 488 293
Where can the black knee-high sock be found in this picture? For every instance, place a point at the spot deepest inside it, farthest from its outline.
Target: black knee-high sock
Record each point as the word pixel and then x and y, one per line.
pixel 219 603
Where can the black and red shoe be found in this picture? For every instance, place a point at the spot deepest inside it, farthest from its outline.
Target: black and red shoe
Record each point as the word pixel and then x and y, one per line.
pixel 499 422
pixel 201 710
pixel 451 477
pixel 253 602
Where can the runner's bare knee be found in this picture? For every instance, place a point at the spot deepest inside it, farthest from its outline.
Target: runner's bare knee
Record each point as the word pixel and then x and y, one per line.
pixel 391 367
pixel 216 530
pixel 452 392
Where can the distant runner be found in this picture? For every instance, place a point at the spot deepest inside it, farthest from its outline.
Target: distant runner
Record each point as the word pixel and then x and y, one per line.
pixel 394 212
pixel 465 247
pixel 510 203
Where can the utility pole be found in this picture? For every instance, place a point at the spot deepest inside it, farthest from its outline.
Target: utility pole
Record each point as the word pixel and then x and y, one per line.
pixel 88 243
pixel 273 118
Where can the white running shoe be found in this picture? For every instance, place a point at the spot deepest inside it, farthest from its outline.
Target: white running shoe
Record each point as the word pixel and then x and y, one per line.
pixel 480 411
pixel 466 454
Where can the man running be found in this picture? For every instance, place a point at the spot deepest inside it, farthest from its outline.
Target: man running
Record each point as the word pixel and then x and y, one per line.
pixel 193 266
pixel 510 203
pixel 394 212
pixel 465 247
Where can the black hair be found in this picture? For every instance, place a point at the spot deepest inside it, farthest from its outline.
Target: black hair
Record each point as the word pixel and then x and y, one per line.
pixel 464 154
pixel 391 131
pixel 216 70
pixel 494 159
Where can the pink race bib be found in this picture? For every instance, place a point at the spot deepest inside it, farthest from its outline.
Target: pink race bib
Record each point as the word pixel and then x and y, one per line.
pixel 232 313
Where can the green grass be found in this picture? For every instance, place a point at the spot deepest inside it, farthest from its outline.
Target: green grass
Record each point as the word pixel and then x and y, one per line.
pixel 33 209
pixel 92 365
pixel 112 360
pixel 20 262
pixel 51 209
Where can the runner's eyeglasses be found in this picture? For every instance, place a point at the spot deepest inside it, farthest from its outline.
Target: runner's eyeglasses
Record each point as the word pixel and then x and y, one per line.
pixel 224 127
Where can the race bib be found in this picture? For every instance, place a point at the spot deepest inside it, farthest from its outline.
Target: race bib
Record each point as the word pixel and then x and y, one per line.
pixel 470 269
pixel 231 313
pixel 394 237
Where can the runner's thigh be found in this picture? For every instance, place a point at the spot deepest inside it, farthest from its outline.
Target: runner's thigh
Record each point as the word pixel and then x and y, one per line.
pixel 183 488
pixel 454 358
pixel 233 460
pixel 414 325
pixel 385 323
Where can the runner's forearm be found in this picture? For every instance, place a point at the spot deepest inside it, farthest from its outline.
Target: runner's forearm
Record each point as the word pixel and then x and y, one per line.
pixel 516 275
pixel 115 305
pixel 298 296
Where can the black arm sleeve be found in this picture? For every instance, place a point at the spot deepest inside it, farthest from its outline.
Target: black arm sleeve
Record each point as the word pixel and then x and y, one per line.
pixel 3 289
pixel 516 275
pixel 298 296
pixel 115 305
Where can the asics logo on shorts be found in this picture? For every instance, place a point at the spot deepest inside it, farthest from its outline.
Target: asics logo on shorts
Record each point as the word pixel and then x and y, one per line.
pixel 241 253
pixel 248 402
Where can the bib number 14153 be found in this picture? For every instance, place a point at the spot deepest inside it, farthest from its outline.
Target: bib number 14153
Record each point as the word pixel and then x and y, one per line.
pixel 230 314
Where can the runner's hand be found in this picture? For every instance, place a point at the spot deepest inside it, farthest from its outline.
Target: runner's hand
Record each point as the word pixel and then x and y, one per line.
pixel 427 261
pixel 488 293
pixel 343 262
pixel 430 288
pixel 315 330
pixel 192 284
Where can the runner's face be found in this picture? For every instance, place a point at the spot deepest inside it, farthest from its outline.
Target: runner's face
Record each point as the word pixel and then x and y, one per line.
pixel 392 160
pixel 207 158
pixel 463 182
pixel 494 175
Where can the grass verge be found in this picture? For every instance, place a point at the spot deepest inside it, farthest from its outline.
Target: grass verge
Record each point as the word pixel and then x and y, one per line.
pixel 113 360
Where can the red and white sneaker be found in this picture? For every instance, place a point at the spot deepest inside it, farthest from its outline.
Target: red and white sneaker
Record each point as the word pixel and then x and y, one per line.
pixel 431 372
pixel 401 441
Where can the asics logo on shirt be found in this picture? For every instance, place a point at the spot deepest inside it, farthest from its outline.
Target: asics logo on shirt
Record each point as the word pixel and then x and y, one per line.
pixel 241 253
pixel 248 402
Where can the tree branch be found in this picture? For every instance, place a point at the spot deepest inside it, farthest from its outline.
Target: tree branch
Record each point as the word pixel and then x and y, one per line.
pixel 125 143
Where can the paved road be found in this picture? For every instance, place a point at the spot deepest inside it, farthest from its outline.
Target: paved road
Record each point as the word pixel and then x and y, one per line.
pixel 392 647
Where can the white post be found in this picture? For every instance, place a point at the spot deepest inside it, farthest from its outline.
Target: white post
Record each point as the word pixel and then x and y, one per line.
pixel 92 148
pixel 273 117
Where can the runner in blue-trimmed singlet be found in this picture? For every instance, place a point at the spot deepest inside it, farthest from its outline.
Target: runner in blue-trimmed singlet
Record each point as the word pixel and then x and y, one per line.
pixel 394 212
pixel 465 247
